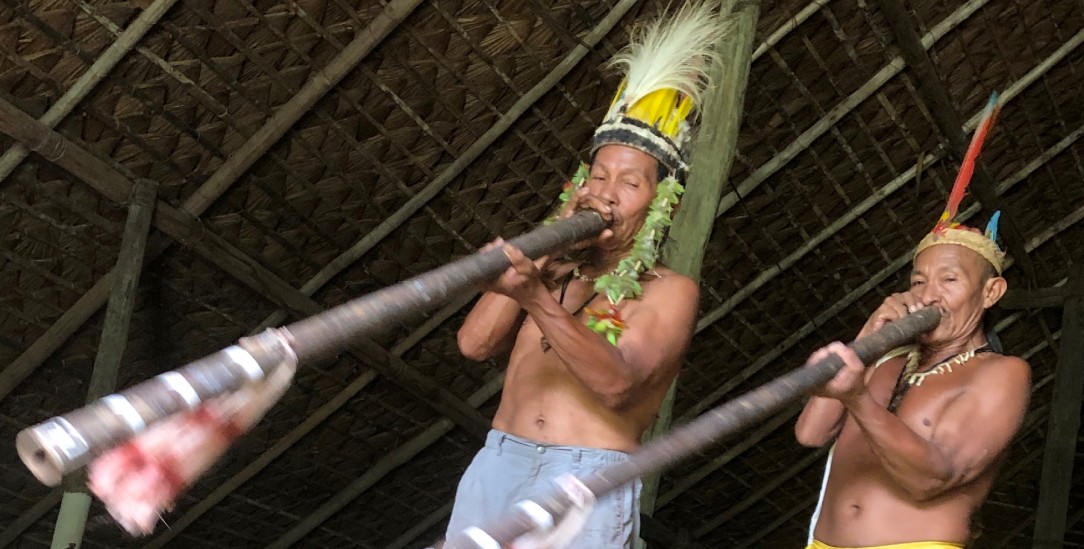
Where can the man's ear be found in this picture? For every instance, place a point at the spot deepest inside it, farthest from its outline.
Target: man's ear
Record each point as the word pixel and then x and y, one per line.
pixel 992 291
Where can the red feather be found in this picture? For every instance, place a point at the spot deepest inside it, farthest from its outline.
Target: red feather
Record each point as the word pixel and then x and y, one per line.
pixel 967 168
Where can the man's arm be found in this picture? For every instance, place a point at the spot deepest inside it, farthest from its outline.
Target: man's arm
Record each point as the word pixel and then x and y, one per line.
pixel 971 433
pixel 658 330
pixel 823 417
pixel 490 328
pixel 820 422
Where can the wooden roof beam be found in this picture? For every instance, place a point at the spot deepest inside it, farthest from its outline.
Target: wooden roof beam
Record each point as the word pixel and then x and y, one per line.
pixel 289 113
pixel 471 154
pixel 808 137
pixel 190 231
pixel 228 173
pixel 1064 424
pixel 380 469
pixel 713 156
pixel 329 272
pixel 1033 298
pixel 75 504
pixel 878 196
pixel 187 229
pixel 932 92
pixel 897 264
pixel 85 83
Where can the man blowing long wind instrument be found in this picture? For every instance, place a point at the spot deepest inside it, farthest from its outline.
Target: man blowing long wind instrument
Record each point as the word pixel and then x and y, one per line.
pixel 595 341
pixel 919 435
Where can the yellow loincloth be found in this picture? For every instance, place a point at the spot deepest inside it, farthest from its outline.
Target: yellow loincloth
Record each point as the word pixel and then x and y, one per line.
pixel 910 545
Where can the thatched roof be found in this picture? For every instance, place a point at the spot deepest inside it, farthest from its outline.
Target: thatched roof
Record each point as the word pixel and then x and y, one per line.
pixel 455 121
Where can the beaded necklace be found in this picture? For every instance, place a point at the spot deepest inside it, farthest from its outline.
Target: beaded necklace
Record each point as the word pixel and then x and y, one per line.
pixel 910 377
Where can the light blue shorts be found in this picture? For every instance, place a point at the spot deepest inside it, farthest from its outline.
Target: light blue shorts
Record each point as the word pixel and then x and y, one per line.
pixel 510 469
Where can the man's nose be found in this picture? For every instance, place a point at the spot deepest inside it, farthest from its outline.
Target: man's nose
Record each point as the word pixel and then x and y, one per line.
pixel 929 294
pixel 608 194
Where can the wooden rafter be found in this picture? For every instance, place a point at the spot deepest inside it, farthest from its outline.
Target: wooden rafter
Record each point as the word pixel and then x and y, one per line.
pixel 227 174
pixel 284 118
pixel 1014 90
pixel 808 328
pixel 808 137
pixel 280 447
pixel 472 152
pixel 99 70
pixel 190 231
pixel 1063 426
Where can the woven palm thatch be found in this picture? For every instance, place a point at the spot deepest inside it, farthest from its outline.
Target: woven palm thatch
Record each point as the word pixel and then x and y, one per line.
pixel 317 150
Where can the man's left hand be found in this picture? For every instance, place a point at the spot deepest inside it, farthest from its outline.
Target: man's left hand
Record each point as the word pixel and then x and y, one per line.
pixel 850 382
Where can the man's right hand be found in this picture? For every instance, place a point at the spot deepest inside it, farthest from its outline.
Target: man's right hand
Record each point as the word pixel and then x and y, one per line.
pixel 894 307
pixel 582 199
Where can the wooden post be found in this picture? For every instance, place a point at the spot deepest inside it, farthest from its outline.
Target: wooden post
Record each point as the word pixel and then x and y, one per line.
pixel 72 518
pixel 712 157
pixel 1061 438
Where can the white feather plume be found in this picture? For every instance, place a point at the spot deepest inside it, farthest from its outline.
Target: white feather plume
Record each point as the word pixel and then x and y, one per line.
pixel 671 53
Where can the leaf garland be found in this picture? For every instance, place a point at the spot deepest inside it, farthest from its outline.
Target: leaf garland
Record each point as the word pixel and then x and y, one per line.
pixel 624 281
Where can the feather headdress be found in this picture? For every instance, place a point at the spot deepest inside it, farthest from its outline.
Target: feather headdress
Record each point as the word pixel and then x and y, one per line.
pixel 948 230
pixel 666 70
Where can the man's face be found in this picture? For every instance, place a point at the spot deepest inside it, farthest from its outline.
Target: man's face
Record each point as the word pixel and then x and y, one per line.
pixel 959 282
pixel 626 179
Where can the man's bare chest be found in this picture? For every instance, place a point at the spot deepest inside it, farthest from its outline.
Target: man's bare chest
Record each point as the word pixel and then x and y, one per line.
pixel 921 406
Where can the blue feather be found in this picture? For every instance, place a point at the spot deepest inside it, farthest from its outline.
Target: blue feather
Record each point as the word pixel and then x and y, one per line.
pixel 991 227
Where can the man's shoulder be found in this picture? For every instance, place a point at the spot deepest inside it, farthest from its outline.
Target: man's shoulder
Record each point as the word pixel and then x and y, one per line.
pixel 995 369
pixel 665 277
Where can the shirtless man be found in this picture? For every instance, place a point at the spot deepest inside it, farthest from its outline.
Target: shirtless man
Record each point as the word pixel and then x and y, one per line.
pixel 572 401
pixel 587 372
pixel 913 469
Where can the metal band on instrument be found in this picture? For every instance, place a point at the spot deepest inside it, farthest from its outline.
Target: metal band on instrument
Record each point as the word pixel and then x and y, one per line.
pixel 65 431
pixel 481 538
pixel 125 411
pixel 242 358
pixel 541 517
pixel 182 387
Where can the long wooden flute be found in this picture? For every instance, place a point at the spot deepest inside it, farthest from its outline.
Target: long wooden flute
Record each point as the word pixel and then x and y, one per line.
pixel 727 419
pixel 64 443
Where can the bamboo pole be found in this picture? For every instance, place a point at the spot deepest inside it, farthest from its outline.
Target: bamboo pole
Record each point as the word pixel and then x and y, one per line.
pixel 230 171
pixel 701 432
pixel 476 149
pixel 712 158
pixel 808 137
pixel 65 443
pixel 83 86
pixel 1063 427
pixel 103 378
